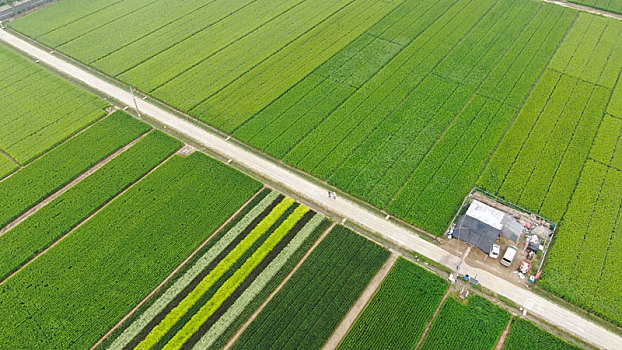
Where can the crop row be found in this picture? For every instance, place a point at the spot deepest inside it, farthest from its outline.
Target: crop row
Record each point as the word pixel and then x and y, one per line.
pixel 286 121
pixel 58 167
pixel 246 16
pixel 525 335
pixel 615 104
pixel 263 284
pixel 607 5
pixel 399 312
pixel 561 118
pixel 251 92
pixel 195 85
pixel 236 280
pixel 208 257
pixel 442 180
pixel 218 271
pixel 39 109
pixel 607 147
pixel 588 52
pixel 86 284
pixel 587 238
pixel 45 226
pixel 477 325
pixel 330 144
pixel 313 302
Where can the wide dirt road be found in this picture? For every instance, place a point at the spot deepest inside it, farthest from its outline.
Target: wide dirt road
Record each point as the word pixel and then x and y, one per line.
pixel 316 194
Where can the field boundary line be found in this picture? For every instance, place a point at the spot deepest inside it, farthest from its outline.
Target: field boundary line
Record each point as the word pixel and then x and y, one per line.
pixel 47 200
pixel 178 268
pixel 429 325
pixel 583 8
pixel 504 335
pixel 417 85
pixel 175 44
pixel 10 158
pixel 250 320
pixel 88 218
pixel 78 132
pixel 282 48
pixel 217 51
pixel 155 30
pixel 361 303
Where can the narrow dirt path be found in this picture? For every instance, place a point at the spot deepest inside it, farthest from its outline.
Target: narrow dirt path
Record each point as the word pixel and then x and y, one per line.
pixel 250 320
pixel 504 335
pixel 586 9
pixel 68 186
pixel 81 223
pixel 358 307
pixel 5 153
pixel 179 267
pixel 427 328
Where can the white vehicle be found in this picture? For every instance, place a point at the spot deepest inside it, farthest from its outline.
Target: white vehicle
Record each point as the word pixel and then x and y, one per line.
pixel 495 251
pixel 509 255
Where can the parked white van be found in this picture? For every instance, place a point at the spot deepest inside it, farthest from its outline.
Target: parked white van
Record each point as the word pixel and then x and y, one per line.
pixel 509 255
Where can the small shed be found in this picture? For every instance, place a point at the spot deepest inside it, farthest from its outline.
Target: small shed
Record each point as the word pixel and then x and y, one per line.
pixel 480 226
pixel 512 229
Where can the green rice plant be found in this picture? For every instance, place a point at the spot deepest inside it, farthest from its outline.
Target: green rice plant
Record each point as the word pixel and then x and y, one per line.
pixel 133 244
pixel 526 335
pixel 234 281
pixel 180 310
pixel 163 300
pixel 477 325
pixel 399 311
pixel 313 302
pixel 57 218
pixel 61 165
pixel 260 284
pixel 7 166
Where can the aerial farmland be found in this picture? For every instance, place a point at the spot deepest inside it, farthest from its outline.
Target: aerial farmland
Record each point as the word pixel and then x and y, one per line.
pixel 310 174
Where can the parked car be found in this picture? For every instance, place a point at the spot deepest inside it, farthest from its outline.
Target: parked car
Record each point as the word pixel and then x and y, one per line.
pixel 495 251
pixel 509 255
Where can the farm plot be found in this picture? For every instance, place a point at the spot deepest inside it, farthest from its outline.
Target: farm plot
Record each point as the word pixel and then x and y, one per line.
pixel 397 315
pixel 525 335
pixel 110 263
pixel 607 5
pixel 38 109
pixel 57 218
pixel 584 262
pixel 559 121
pixel 62 164
pixel 313 302
pixel 607 147
pixel 227 278
pixel 7 165
pixel 477 325
pixel 384 135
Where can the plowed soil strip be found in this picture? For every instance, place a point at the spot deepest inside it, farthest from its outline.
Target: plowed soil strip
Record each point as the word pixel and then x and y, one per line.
pixel 358 307
pixel 174 272
pixel 81 223
pixel 271 296
pixel 68 186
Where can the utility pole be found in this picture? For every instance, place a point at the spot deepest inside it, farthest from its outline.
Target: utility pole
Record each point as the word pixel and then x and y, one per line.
pixel 135 103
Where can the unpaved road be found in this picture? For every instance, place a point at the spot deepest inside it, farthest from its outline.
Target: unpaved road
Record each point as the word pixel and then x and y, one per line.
pixel 316 194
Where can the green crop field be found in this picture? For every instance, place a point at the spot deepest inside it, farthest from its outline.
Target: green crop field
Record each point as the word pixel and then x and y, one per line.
pixel 525 335
pixel 70 296
pixel 310 306
pixel 227 278
pixel 477 325
pixel 404 104
pixel 39 110
pixel 607 5
pixel 65 162
pixel 44 227
pixel 399 312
